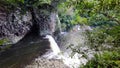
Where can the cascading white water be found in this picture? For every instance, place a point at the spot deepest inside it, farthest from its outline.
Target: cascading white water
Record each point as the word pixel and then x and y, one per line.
pixel 72 62
pixel 53 44
pixel 75 37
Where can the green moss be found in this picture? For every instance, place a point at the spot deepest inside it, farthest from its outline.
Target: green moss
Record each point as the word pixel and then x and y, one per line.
pixel 3 41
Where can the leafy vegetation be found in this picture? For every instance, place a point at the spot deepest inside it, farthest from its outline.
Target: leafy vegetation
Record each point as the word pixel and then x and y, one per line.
pixel 27 2
pixel 2 41
pixel 105 60
pixel 92 12
pixel 104 18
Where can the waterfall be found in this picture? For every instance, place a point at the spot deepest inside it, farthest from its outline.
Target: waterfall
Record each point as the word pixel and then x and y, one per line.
pixel 65 54
pixel 53 44
pixel 72 62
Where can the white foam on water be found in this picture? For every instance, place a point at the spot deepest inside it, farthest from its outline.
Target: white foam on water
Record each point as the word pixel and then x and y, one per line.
pixel 72 62
pixel 53 44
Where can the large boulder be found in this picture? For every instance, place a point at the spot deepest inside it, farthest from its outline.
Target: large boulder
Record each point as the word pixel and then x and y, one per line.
pixel 14 24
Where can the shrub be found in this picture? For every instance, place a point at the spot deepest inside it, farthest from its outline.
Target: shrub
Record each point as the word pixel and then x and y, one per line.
pixel 105 60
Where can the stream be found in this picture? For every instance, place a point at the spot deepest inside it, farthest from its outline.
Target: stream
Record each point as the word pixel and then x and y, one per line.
pixel 23 52
pixel 34 51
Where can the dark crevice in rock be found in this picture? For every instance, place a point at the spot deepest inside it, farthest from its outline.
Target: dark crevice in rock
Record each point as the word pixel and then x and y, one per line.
pixel 35 27
pixel 15 25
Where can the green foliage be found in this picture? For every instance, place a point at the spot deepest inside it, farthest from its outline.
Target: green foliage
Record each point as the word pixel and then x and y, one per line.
pixel 115 33
pixel 28 1
pixel 96 12
pixel 79 20
pixel 24 3
pixel 3 41
pixel 102 15
pixel 96 37
pixel 14 2
pixel 66 21
pixel 105 60
pixel 35 3
pixel 102 35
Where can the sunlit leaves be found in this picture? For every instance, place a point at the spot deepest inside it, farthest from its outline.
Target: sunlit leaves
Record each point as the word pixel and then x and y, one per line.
pixel 79 20
pixel 87 8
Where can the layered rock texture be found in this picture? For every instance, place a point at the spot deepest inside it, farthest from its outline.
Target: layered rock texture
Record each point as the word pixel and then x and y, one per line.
pixel 15 24
pixel 45 18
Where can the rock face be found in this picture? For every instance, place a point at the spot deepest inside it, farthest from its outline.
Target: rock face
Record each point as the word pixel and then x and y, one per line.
pixel 14 25
pixel 45 18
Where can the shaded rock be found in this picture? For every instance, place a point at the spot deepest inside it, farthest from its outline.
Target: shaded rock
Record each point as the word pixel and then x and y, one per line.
pixel 45 18
pixel 14 25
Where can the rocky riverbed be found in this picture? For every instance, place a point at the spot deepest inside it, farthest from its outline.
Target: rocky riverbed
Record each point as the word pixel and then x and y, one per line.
pixel 69 57
pixel 47 63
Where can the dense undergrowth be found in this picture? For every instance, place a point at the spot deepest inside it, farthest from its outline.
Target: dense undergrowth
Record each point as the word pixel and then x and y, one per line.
pixel 106 42
pixel 104 18
pixel 105 60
